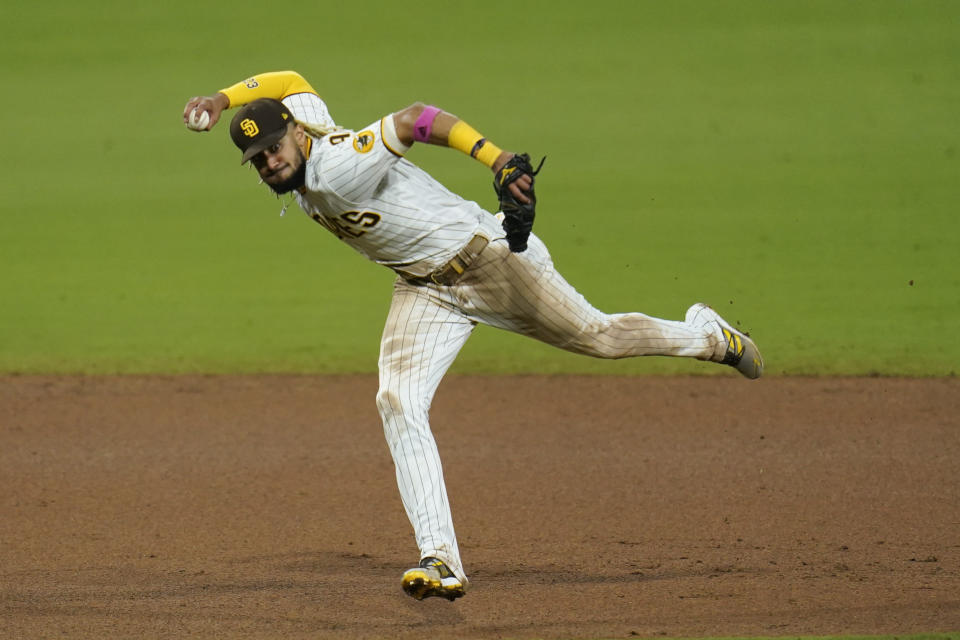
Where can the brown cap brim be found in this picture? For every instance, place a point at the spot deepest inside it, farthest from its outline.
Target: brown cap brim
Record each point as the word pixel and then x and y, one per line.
pixel 267 140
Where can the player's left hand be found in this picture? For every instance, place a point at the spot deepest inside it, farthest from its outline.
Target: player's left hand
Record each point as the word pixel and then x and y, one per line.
pixel 520 186
pixel 518 201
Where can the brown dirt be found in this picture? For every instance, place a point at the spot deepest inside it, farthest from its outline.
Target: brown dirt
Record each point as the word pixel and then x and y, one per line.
pixel 257 507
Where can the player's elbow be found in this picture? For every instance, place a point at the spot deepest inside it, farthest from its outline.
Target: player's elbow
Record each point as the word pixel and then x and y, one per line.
pixel 413 111
pixel 405 119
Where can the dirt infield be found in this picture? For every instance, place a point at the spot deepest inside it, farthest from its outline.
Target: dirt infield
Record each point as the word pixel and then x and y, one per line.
pixel 258 507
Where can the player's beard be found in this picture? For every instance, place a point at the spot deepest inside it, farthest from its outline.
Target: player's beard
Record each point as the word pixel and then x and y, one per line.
pixel 295 181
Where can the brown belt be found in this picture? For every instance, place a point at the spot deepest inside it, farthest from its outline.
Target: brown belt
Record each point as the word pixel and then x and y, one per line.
pixel 448 274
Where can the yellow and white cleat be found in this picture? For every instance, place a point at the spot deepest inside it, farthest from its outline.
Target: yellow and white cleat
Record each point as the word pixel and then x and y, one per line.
pixel 432 578
pixel 742 353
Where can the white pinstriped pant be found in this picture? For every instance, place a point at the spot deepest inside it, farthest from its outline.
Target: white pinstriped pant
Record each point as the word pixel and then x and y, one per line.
pixel 428 325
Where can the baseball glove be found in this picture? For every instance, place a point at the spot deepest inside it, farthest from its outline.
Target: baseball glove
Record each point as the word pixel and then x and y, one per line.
pixel 517 216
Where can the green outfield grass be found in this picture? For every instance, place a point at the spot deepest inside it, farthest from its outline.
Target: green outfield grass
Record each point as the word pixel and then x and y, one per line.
pixel 794 164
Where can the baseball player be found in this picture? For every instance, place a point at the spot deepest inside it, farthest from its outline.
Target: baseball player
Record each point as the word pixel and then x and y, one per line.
pixel 457 265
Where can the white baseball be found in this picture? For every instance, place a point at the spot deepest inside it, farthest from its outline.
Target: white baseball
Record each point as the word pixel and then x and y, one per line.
pixel 198 121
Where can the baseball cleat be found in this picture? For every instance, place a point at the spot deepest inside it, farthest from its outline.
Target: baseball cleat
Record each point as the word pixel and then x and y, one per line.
pixel 432 579
pixel 741 354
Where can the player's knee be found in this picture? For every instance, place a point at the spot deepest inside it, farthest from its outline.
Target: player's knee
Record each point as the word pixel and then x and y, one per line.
pixel 397 402
pixel 401 418
pixel 388 402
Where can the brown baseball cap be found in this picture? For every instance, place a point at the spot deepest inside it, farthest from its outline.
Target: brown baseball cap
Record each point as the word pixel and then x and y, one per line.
pixel 259 125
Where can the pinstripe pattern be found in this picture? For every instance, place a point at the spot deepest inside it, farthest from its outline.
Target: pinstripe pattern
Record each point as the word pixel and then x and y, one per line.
pixel 309 108
pixel 421 338
pixel 421 224
pixel 428 325
pixel 523 293
pixel 361 188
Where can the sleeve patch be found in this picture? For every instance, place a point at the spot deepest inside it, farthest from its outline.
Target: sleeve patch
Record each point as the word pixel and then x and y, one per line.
pixel 363 141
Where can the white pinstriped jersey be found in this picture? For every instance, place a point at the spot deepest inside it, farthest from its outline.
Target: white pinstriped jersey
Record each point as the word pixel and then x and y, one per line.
pixel 309 108
pixel 361 189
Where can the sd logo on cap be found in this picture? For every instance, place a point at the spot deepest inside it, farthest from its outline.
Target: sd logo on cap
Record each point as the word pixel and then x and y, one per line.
pixel 259 125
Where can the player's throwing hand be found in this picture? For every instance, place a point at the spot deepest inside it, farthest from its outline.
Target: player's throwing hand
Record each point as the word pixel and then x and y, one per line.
pixel 213 105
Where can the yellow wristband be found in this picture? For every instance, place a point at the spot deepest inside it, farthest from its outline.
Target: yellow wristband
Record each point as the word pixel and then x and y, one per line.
pixel 488 153
pixel 465 138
